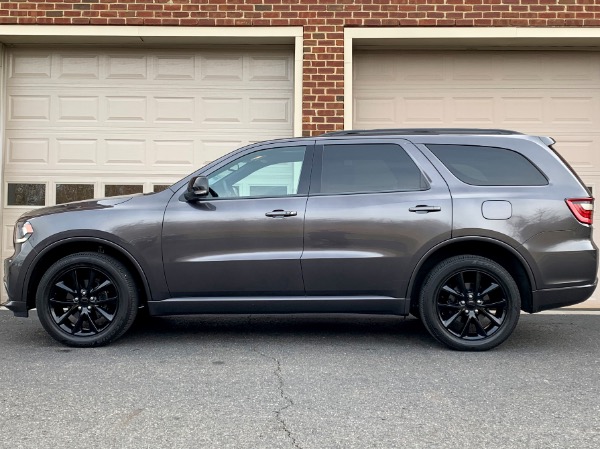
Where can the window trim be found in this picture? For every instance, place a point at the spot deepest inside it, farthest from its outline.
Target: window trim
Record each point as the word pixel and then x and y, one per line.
pixel 315 184
pixel 303 182
pixel 540 171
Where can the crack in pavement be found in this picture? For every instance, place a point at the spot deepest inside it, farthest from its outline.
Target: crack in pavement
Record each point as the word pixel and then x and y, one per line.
pixel 289 403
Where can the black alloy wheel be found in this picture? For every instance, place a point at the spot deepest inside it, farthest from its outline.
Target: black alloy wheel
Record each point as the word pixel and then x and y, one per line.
pixel 86 299
pixel 470 303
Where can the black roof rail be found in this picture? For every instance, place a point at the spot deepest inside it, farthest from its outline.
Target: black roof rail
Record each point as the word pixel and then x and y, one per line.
pixel 417 131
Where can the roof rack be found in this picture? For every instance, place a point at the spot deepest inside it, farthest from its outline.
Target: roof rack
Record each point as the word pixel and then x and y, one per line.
pixel 418 131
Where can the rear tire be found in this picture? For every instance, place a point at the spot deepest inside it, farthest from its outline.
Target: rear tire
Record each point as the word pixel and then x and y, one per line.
pixel 87 299
pixel 470 303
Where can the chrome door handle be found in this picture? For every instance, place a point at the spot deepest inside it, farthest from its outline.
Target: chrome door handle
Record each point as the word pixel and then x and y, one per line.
pixel 421 208
pixel 282 213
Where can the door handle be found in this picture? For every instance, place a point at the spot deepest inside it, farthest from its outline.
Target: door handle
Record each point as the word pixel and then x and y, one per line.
pixel 423 209
pixel 282 213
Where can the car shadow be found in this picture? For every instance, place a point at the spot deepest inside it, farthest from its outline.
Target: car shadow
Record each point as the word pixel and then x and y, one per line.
pixel 282 327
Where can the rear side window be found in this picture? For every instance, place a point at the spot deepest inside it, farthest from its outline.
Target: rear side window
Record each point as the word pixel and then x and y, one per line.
pixel 369 168
pixel 488 166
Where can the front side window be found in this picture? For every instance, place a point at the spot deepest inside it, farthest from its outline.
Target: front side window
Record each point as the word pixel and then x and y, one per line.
pixel 264 173
pixel 488 166
pixel 364 168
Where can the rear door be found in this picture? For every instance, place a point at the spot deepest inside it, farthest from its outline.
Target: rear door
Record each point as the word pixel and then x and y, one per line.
pixel 374 208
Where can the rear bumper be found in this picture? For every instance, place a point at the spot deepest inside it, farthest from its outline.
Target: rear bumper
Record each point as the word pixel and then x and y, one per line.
pixel 561 297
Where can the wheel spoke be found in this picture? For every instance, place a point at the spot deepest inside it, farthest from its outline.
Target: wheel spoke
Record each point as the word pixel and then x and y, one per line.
pixel 480 330
pixel 494 305
pixel 75 281
pixel 450 306
pixel 450 290
pixel 62 286
pixel 77 326
pixel 461 283
pixel 491 317
pixel 101 287
pixel 449 321
pixel 104 313
pixel 93 326
pixel 61 320
pixel 477 283
pixel 91 279
pixel 63 303
pixel 491 288
pixel 106 300
pixel 465 328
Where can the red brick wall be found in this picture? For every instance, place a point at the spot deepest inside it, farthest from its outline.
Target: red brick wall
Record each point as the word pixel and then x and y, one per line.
pixel 323 22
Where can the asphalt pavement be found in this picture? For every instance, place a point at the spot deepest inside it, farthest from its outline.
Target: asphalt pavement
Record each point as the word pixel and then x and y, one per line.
pixel 301 381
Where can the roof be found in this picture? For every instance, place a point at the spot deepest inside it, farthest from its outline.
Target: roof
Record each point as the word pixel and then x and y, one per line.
pixel 418 131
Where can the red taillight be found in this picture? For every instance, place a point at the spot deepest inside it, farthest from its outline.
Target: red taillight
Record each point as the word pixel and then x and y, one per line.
pixel 582 208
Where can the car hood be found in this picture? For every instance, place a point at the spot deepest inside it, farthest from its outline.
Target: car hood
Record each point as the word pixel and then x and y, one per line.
pixel 101 203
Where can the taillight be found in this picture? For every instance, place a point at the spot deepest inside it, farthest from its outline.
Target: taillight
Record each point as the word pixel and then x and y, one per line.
pixel 582 208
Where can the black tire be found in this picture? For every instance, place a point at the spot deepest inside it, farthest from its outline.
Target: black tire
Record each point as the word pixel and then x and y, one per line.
pixel 87 299
pixel 470 303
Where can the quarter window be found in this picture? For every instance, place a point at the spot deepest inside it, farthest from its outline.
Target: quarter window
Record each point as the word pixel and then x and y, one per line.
pixel 488 166
pixel 369 168
pixel 265 173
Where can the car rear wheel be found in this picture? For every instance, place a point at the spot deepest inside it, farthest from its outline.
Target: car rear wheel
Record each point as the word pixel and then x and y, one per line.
pixel 470 303
pixel 87 299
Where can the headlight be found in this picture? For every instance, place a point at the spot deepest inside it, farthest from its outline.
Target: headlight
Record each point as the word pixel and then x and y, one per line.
pixel 23 231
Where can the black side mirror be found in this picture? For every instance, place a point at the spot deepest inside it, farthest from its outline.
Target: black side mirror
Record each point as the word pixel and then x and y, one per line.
pixel 197 188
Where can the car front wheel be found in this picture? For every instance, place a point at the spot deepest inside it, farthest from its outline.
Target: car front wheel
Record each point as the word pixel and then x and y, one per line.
pixel 470 303
pixel 87 299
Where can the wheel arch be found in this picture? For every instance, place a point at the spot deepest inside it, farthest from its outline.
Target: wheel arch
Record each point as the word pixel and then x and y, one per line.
pixel 68 246
pixel 493 249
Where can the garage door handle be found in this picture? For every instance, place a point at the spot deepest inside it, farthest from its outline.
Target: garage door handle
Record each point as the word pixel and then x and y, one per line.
pixel 424 209
pixel 282 213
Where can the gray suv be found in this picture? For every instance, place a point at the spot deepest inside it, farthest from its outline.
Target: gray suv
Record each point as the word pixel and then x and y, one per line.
pixel 462 228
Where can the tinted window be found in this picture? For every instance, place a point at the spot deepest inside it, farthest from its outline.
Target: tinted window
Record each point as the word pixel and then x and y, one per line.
pixel 368 168
pixel 488 166
pixel 272 172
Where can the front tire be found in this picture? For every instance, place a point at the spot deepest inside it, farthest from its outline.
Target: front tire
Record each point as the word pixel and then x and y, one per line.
pixel 470 303
pixel 87 299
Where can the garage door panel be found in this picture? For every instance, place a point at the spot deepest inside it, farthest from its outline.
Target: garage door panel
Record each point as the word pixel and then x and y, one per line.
pixel 27 152
pixel 272 67
pixel 477 110
pixel 251 110
pixel 521 69
pixel 27 107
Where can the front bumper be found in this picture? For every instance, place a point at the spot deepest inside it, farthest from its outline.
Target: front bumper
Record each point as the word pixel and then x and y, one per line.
pixel 19 308
pixel 15 268
pixel 553 298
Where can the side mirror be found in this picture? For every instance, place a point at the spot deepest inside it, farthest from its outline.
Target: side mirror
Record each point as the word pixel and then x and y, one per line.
pixel 197 188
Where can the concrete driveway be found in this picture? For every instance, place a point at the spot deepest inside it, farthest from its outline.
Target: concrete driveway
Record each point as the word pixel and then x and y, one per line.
pixel 301 382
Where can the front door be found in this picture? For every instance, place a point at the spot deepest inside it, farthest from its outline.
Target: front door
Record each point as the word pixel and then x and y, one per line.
pixel 246 238
pixel 374 208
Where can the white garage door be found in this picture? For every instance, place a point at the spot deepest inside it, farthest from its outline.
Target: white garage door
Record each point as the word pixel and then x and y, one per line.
pixel 555 93
pixel 85 123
